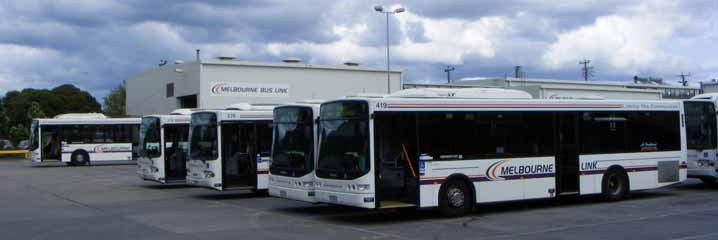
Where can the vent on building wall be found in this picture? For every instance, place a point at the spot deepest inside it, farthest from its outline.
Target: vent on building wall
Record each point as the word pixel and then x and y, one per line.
pixel 351 64
pixel 225 58
pixel 292 60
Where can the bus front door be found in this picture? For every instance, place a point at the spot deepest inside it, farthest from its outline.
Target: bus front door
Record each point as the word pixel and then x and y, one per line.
pixel 238 149
pixel 175 150
pixel 396 160
pixel 567 178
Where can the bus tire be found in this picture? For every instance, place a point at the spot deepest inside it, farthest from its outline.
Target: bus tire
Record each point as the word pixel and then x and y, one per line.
pixel 709 181
pixel 455 199
pixel 260 191
pixel 614 186
pixel 79 158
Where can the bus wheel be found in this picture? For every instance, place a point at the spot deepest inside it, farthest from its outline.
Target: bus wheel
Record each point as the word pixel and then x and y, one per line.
pixel 454 199
pixel 709 181
pixel 614 186
pixel 260 191
pixel 79 158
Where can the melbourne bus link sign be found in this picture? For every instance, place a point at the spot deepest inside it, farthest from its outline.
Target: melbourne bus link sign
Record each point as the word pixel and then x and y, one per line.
pixel 249 90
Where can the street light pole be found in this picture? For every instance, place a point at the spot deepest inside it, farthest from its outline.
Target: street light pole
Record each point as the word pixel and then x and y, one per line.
pixel 380 9
pixel 388 72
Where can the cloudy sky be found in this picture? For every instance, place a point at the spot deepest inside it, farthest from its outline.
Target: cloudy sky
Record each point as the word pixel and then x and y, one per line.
pixel 95 44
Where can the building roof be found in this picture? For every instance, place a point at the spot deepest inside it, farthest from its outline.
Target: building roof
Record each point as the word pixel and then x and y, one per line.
pixel 293 65
pixel 479 80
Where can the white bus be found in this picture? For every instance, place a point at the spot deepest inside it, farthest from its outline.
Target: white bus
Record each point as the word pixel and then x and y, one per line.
pixel 448 148
pixel 78 139
pixel 230 149
pixel 701 127
pixel 291 171
pixel 164 164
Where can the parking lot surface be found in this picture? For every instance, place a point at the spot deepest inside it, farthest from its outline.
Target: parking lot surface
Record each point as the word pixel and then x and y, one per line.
pixel 53 201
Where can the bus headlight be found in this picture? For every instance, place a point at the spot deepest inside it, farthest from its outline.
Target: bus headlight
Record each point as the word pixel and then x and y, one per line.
pixel 362 187
pixel 703 163
pixel 208 174
pixel 154 169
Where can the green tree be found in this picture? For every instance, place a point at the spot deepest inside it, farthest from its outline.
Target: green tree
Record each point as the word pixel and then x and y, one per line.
pixel 35 111
pixel 62 99
pixel 18 133
pixel 115 101
pixel 4 121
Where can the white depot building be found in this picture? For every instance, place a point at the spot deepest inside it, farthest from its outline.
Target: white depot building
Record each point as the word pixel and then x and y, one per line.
pixel 216 83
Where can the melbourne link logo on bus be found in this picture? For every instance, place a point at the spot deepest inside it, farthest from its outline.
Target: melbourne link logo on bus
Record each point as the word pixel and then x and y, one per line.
pixel 507 170
pixel 108 148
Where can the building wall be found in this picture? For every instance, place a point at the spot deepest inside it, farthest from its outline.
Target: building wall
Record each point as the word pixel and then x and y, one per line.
pixel 146 91
pixel 710 88
pixel 304 83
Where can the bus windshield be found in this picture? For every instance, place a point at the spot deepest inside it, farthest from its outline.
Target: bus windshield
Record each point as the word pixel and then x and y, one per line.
pixel 150 137
pixel 203 136
pixel 293 147
pixel 34 135
pixel 700 125
pixel 343 140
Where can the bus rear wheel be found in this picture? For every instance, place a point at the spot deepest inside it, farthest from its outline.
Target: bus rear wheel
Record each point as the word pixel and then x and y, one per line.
pixel 454 199
pixel 711 182
pixel 614 186
pixel 79 158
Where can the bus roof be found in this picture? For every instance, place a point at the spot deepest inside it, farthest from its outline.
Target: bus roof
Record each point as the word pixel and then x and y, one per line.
pixel 463 93
pixel 169 119
pixel 69 121
pixel 393 103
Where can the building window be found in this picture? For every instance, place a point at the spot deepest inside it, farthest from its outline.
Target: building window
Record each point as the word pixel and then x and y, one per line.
pixel 170 90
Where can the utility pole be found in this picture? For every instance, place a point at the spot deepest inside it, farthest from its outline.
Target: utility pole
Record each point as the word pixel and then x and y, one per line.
pixel 448 70
pixel 586 71
pixel 517 72
pixel 683 80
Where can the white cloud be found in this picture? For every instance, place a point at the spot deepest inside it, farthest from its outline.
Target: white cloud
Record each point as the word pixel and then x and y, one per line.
pixel 19 64
pixel 450 40
pixel 629 43
pixel 445 41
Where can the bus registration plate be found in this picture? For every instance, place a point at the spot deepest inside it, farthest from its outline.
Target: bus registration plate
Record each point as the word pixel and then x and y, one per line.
pixel 333 198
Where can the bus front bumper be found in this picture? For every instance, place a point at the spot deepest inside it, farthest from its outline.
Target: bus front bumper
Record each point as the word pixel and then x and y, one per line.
pixel 147 171
pixel 362 200
pixel 702 173
pixel 304 195
pixel 200 181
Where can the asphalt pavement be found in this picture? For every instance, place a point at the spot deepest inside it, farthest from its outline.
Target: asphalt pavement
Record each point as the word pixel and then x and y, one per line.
pixel 108 201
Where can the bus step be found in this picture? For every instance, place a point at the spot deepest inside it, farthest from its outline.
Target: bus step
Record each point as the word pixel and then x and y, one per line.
pixel 238 188
pixel 394 204
pixel 175 181
pixel 568 193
